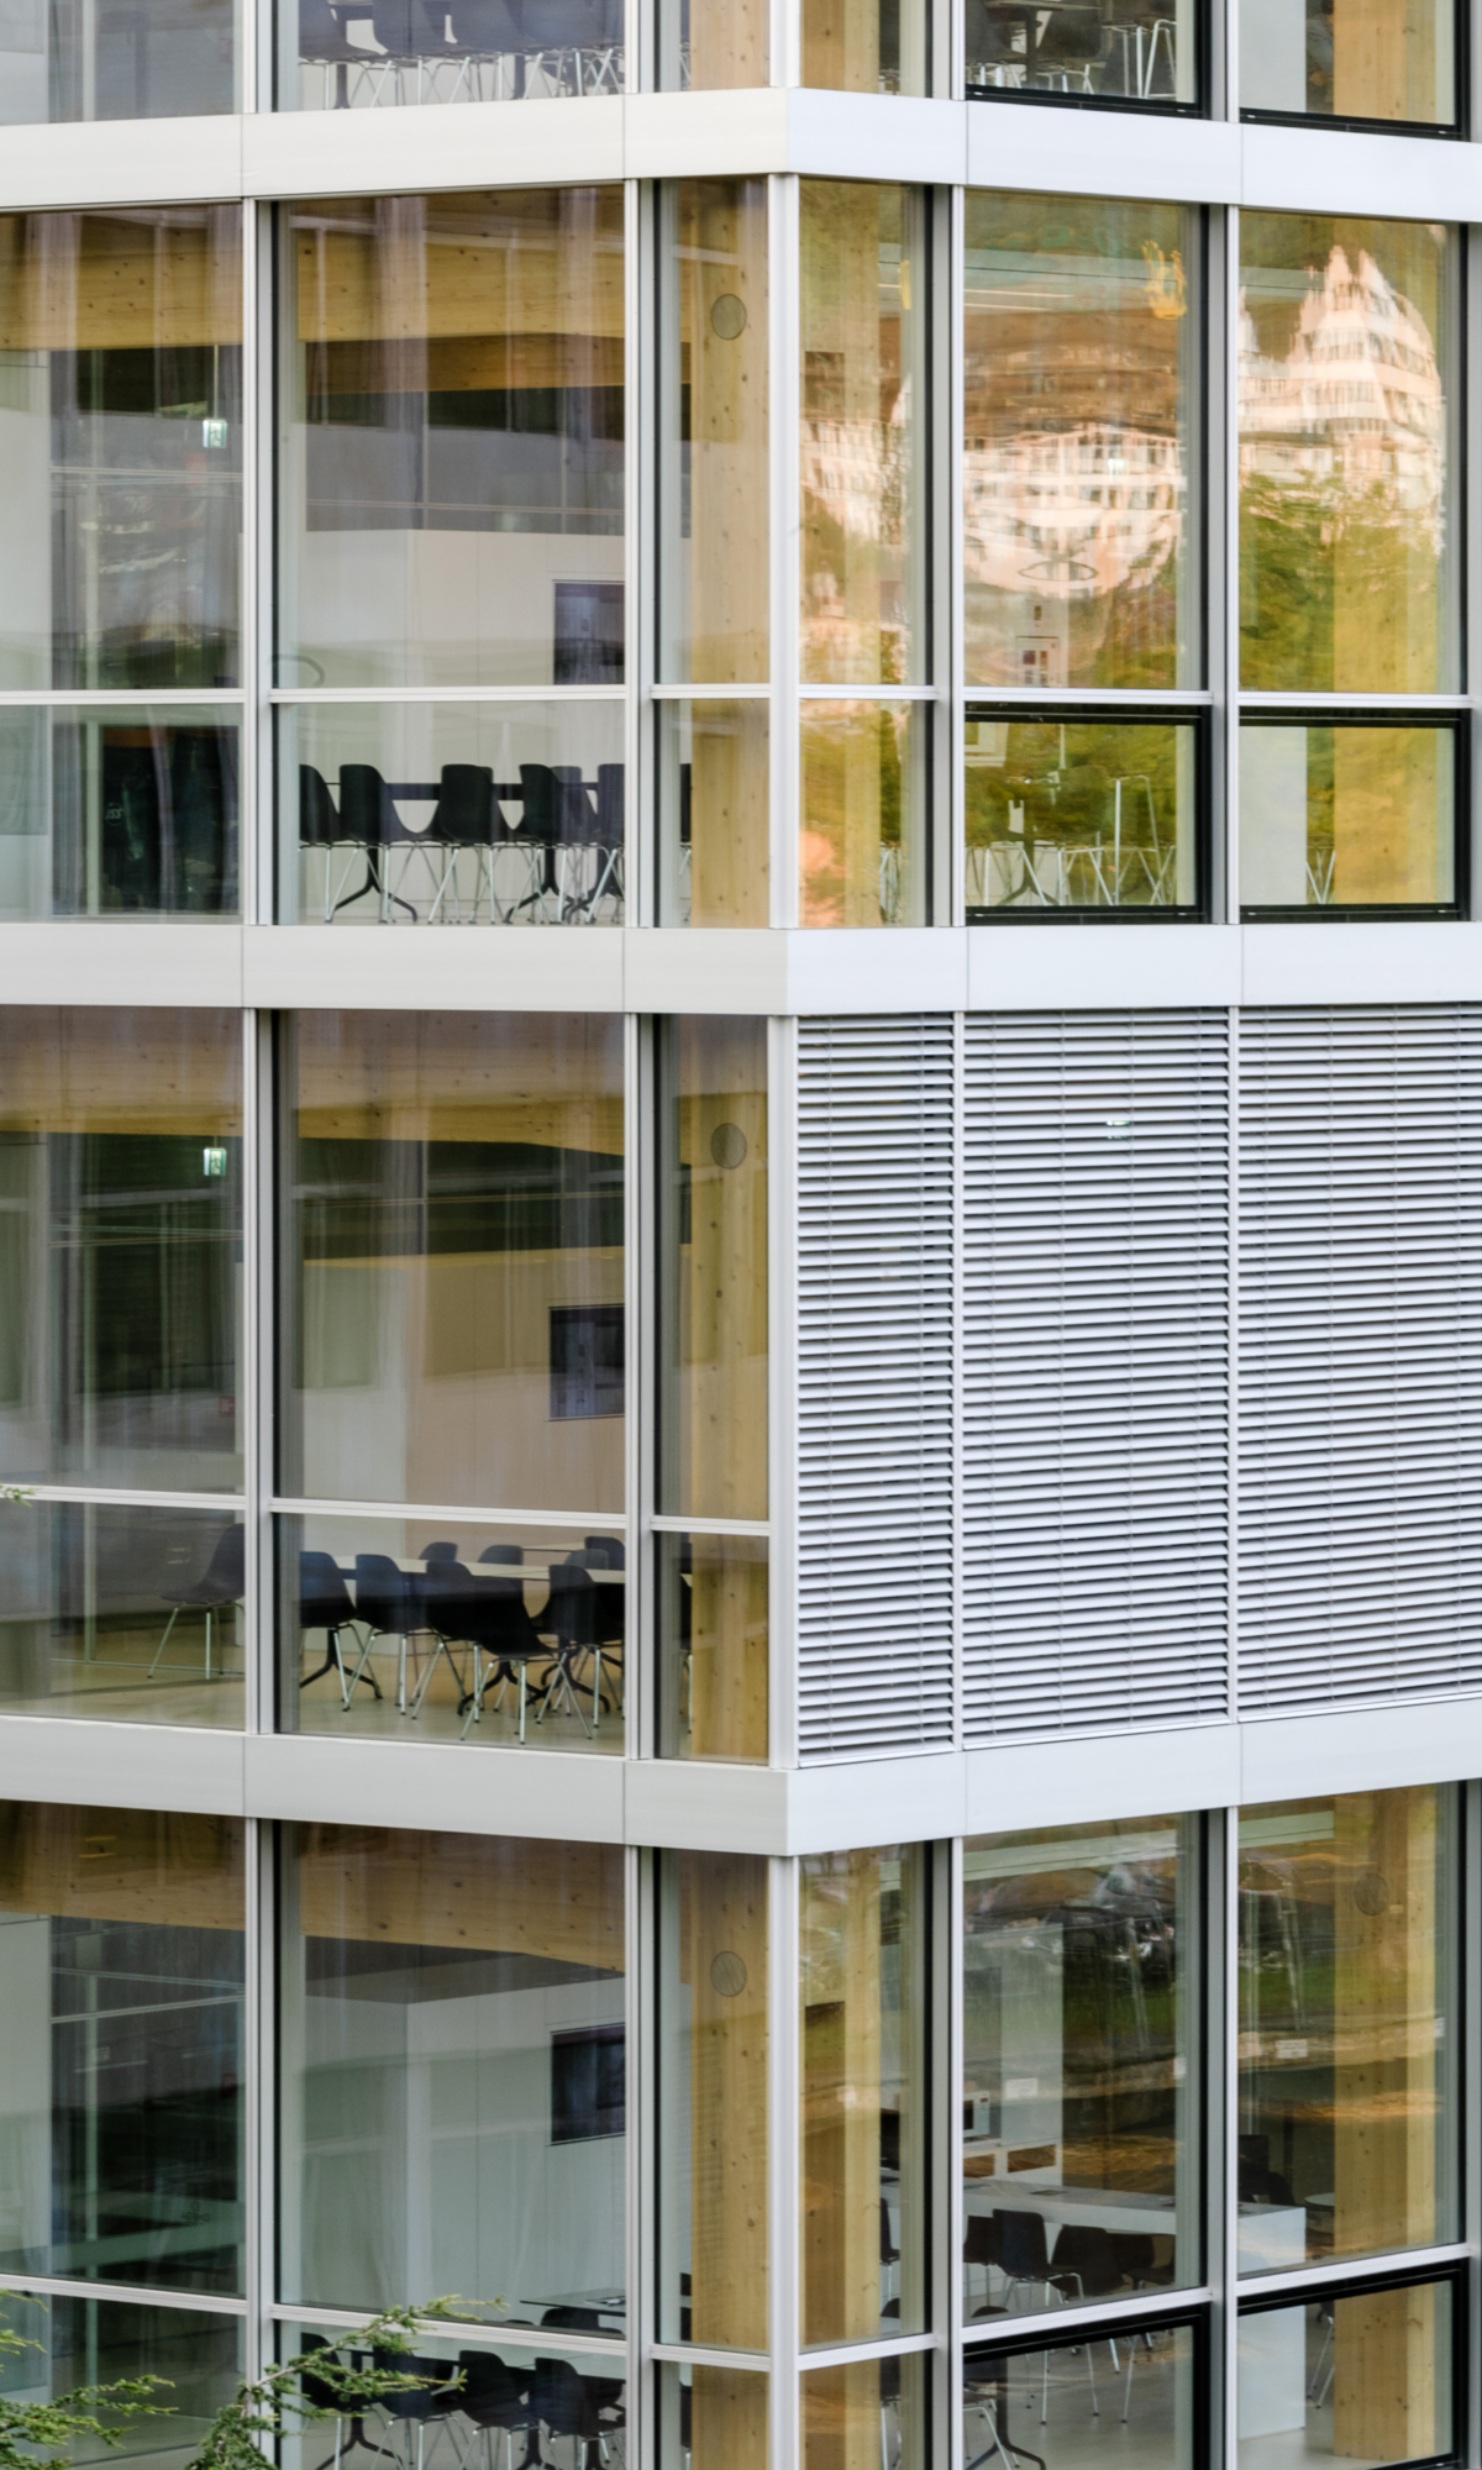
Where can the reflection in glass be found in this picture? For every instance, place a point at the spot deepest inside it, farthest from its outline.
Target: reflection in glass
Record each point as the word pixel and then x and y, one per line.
pixel 1363 2377
pixel 715 810
pixel 123 812
pixel 863 408
pixel 121 436
pixel 1078 2134
pixel 713 43
pixel 453 1198
pixel 713 1413
pixel 714 603
pixel 453 2103
pixel 123 1615
pixel 117 60
pixel 714 2416
pixel 714 1624
pixel 78 2341
pixel 1347 581
pixel 865 46
pixel 862 842
pixel 863 1993
pixel 1347 2025
pixel 430 1629
pixel 1081 384
pixel 360 55
pixel 1142 2389
pixel 121 1983
pixel 498 814
pixel 712 2120
pixel 1347 817
pixel 452 498
pixel 1078 814
pixel 1348 62
pixel 1136 51
pixel 479 2393
pixel 856 2415
pixel 120 1246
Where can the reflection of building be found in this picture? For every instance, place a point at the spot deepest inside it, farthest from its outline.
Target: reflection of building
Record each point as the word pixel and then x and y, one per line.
pixel 1075 514
pixel 1353 406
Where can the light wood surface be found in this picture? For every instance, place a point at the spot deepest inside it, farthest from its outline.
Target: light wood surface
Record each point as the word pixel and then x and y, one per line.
pixel 152 278
pixel 723 1937
pixel 509 1895
pixel 122 1865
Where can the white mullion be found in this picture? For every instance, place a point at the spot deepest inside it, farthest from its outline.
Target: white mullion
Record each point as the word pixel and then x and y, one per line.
pixel 784 412
pixel 1075 2325
pixel 124 2294
pixel 852 2353
pixel 782 1394
pixel 1468 2092
pixel 250 218
pixel 257 2081
pixel 470 2332
pixel 640 2157
pixel 1232 1366
pixel 1223 452
pixel 416 1511
pixel 665 1523
pixel 638 294
pixel 318 695
pixel 1223 2041
pixel 638 1420
pixel 958 1442
pixel 1354 2272
pixel 951 528
pixel 947 2143
pixel 101 1496
pixel 784 2174
pixel 262 548
pixel 257 1590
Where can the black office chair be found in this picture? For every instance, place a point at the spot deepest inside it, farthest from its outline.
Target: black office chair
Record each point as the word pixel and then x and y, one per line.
pixel 440 1551
pixel 368 816
pixel 464 819
pixel 1085 2266
pixel 492 2397
pixel 413 2406
pixel 564 2403
pixel 601 830
pixel 324 1604
pixel 605 1551
pixel 488 1616
pixel 220 1588
pixel 323 42
pixel 982 2245
pixel 508 1556
pixel 538 832
pixel 573 1621
pixel 387 1608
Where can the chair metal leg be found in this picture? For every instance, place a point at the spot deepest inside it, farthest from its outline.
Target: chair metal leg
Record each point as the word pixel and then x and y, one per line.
pixel 164 1642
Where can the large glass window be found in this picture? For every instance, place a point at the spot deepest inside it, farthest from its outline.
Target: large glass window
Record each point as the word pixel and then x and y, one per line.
pixel 1136 2397
pixel 371 53
pixel 118 60
pixel 122 1614
pixel 1348 520
pixel 866 46
pixel 120 1247
pixel 1361 815
pixel 452 513
pixel 120 533
pixel 453 2075
pixel 713 43
pixel 1348 2027
pixel 1338 61
pixel 1349 2375
pixel 78 2341
pixel 1130 51
pixel 1068 812
pixel 1080 2143
pixel 713 1406
pixel 863 1997
pixel 712 2121
pixel 121 1988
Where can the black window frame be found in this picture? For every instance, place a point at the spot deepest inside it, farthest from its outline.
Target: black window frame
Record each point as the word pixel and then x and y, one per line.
pixel 1456 722
pixel 1197 717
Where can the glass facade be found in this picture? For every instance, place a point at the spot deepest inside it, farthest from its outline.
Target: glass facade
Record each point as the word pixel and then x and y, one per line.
pixel 1325 59
pixel 1127 53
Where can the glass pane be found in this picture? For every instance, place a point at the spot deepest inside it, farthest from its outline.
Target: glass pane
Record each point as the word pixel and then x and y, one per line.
pixel 452 465
pixel 123 1615
pixel 498 814
pixel 121 1983
pixel 1078 2116
pixel 1365 2378
pixel 1347 818
pixel 118 60
pixel 1074 814
pixel 121 418
pixel 120 1247
pixel 715 814
pixel 875 2411
pixel 82 2341
pixel 1128 49
pixel 713 43
pixel 482 2398
pixel 1347 581
pixel 1143 2388
pixel 1347 2026
pixel 453 2074
pixel 714 1628
pixel 712 2105
pixel 453 1196
pixel 863 1995
pixel 864 394
pixel 124 812
pixel 862 846
pixel 866 46
pixel 714 609
pixel 429 1630
pixel 1082 360
pixel 713 2418
pixel 371 54
pixel 1365 62
pixel 713 1414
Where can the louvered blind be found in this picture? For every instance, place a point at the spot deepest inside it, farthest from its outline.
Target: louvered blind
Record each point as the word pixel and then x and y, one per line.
pixel 1095 1382
pixel 1360 1355
pixel 875 1142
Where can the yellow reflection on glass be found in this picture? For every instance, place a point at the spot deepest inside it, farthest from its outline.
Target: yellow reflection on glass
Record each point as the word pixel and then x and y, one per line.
pixel 714 859
pixel 1346 566
pixel 871 2411
pixel 864 377
pixel 1081 345
pixel 862 846
pixel 713 1928
pixel 714 604
pixel 1346 2022
pixel 1346 818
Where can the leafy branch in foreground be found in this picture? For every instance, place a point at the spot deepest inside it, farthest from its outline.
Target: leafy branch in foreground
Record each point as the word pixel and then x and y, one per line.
pixel 315 2385
pixel 39 2435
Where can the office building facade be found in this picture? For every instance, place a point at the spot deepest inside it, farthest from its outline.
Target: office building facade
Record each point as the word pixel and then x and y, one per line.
pixel 740 1223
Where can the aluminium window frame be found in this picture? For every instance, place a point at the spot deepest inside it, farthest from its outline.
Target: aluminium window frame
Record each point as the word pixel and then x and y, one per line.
pixel 1085 709
pixel 1449 715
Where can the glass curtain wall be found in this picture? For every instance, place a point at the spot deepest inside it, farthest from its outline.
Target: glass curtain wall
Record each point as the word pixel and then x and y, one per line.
pixel 1118 52
pixel 452 1250
pixel 451 515
pixel 120 1338
pixel 376 53
pixel 865 635
pixel 713 1299
pixel 1081 525
pixel 118 60
pixel 121 431
pixel 1331 60
pixel 1349 584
